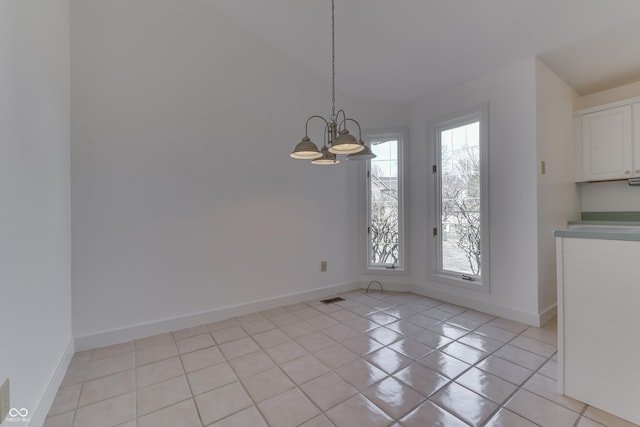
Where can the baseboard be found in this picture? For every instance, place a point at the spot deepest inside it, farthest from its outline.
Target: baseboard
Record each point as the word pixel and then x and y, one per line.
pixel 39 415
pixel 152 328
pixel 533 319
pixel 488 307
pixel 386 286
pixel 548 314
pixel 143 330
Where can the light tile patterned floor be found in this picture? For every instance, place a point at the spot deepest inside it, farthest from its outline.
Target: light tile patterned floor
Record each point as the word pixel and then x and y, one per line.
pixel 371 360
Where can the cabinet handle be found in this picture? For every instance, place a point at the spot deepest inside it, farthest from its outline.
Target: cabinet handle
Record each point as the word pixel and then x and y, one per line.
pixel 627 172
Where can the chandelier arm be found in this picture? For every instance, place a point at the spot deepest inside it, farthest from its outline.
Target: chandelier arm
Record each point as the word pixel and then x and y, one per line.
pixel 306 126
pixel 357 124
pixel 344 118
pixel 327 133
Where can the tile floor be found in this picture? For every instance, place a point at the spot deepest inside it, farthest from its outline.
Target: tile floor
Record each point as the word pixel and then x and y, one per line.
pixel 371 360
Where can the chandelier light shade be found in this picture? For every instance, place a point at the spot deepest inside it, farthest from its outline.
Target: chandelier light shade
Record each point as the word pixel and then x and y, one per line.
pixel 337 139
pixel 346 144
pixel 365 154
pixel 306 150
pixel 327 158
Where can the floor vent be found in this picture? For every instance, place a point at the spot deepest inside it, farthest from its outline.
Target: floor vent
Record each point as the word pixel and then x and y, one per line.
pixel 332 300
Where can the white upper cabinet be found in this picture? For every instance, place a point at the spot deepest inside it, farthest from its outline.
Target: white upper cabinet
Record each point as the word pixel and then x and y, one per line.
pixel 608 141
pixel 606 144
pixel 636 140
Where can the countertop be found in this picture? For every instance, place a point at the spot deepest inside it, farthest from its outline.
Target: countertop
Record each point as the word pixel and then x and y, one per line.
pixel 606 223
pixel 621 225
pixel 616 232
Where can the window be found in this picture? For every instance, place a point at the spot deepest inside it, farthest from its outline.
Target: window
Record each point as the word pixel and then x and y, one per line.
pixel 460 231
pixel 385 225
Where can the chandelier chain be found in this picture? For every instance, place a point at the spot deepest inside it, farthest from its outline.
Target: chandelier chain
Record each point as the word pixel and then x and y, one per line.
pixel 333 60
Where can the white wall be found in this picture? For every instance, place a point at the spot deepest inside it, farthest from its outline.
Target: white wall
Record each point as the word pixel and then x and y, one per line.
pixel 376 116
pixel 35 301
pixel 510 94
pixel 184 198
pixel 612 196
pixel 558 198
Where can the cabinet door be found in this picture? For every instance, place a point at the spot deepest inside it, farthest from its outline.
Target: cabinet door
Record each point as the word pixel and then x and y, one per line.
pixel 636 139
pixel 606 144
pixel 577 129
pixel 598 311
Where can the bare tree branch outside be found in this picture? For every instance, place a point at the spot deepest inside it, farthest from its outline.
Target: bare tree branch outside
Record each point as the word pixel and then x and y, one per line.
pixel 384 226
pixel 460 203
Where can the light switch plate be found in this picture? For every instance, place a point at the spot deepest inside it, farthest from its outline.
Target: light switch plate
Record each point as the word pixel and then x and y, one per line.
pixel 323 265
pixel 5 401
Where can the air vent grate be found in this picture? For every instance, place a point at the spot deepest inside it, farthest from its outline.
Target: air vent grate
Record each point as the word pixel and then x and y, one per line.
pixel 332 300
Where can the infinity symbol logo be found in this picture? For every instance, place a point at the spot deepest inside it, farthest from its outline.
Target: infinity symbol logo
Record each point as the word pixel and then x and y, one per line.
pixel 13 412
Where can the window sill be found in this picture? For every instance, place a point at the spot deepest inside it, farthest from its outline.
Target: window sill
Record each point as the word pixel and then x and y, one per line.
pixel 386 271
pixel 446 279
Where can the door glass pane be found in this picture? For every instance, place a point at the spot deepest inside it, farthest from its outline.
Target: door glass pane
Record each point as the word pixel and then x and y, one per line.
pixel 460 199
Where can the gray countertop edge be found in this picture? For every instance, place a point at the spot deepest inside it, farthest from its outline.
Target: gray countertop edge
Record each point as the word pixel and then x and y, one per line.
pixel 605 223
pixel 600 233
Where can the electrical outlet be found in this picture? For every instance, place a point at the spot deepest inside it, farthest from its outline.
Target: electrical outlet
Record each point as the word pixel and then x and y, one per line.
pixel 323 265
pixel 5 401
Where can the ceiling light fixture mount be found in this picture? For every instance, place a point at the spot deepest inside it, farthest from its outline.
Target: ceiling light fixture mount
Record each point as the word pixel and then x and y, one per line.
pixel 337 138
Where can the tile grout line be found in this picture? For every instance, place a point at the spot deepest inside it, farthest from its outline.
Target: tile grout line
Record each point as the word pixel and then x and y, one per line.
pixel 135 383
pixel 581 416
pixel 521 386
pixel 296 386
pixel 255 404
pixel 452 380
pixel 425 398
pixel 518 387
pixel 239 380
pixel 77 406
pixel 474 365
pixel 193 397
pixel 136 388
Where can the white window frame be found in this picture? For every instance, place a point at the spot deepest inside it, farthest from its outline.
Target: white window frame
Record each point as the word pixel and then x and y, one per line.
pixel 402 136
pixel 437 273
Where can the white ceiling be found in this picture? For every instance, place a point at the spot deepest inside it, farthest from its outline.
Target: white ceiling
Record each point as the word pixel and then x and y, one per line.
pixel 405 49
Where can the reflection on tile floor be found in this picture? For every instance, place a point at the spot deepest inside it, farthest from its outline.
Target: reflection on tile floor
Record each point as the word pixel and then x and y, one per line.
pixel 395 359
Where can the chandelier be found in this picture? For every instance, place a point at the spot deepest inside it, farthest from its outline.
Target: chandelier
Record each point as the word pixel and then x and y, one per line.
pixel 337 138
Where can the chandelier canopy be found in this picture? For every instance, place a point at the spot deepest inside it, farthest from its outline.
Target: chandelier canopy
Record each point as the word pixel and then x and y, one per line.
pixel 337 138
